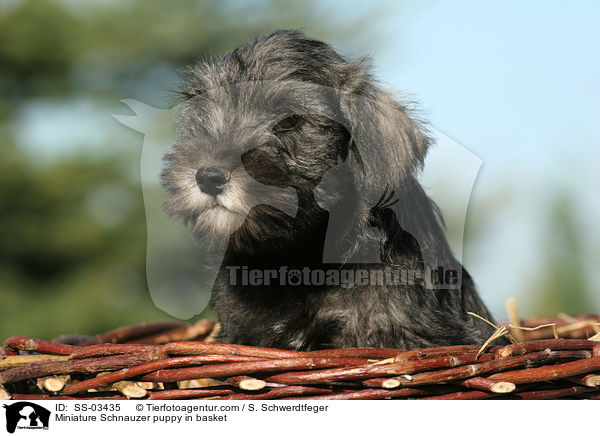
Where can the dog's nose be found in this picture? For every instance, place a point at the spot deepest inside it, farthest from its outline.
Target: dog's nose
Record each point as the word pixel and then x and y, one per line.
pixel 212 179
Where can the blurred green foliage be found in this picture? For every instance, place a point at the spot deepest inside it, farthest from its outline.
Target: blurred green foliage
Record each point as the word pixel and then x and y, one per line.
pixel 62 47
pixel 72 247
pixel 563 284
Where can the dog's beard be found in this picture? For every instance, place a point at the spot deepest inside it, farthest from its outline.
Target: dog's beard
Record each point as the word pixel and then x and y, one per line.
pixel 214 219
pixel 215 224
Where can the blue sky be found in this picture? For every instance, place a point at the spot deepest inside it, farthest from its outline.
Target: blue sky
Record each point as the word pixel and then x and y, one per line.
pixel 518 84
pixel 505 78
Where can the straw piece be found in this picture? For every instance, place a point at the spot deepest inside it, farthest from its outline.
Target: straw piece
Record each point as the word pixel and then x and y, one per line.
pixel 513 316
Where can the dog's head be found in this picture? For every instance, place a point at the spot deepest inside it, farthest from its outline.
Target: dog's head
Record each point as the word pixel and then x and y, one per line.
pixel 267 121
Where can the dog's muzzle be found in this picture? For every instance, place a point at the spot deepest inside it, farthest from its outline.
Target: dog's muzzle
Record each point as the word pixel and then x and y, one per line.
pixel 211 180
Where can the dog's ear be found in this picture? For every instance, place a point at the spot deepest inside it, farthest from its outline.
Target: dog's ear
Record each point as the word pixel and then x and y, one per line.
pixel 388 147
pixel 391 144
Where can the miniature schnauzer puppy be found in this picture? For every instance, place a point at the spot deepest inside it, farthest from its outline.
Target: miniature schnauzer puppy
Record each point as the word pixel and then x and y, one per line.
pixel 303 168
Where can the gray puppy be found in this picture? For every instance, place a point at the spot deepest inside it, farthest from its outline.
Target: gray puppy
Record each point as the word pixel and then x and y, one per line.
pixel 282 123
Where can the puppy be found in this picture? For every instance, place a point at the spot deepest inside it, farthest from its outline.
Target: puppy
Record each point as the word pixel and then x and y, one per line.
pixel 283 123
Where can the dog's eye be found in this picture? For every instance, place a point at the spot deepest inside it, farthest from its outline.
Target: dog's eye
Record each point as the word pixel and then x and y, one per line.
pixel 289 123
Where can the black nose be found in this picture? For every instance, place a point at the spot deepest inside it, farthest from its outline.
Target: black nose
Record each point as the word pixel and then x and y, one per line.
pixel 212 179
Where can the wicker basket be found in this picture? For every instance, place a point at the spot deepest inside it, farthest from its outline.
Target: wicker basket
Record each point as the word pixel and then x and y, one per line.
pixel 552 358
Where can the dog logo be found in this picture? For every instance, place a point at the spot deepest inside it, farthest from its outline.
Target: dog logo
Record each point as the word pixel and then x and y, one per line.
pixel 293 181
pixel 26 415
pixel 179 267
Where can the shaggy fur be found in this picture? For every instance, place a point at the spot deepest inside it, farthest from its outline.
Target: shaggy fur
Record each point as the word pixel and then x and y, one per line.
pixel 284 122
